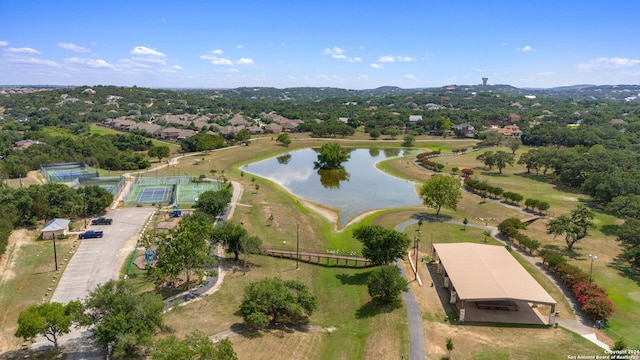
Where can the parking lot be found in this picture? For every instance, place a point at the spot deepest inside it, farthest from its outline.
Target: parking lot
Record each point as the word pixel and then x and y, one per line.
pixel 99 260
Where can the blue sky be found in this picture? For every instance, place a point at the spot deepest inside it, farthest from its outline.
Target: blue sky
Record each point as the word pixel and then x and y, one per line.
pixel 345 44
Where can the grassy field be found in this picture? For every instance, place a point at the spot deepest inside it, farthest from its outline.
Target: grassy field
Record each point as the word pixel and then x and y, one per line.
pixel 623 291
pixel 30 272
pixel 361 331
pixel 316 233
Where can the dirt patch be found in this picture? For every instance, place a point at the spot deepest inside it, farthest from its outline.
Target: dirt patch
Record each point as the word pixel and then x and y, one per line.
pixel 7 261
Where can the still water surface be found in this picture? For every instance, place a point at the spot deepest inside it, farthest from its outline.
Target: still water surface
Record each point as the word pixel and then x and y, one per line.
pixel 358 188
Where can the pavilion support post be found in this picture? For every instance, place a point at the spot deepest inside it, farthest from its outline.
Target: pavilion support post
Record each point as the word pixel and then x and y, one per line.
pixel 552 315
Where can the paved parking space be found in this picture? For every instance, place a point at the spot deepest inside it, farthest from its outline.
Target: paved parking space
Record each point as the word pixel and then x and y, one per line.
pixel 99 260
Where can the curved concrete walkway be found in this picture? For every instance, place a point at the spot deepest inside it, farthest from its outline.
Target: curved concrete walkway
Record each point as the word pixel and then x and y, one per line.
pixel 414 316
pixel 581 325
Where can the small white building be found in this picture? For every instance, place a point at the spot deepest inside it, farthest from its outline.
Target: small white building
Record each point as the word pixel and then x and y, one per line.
pixel 55 228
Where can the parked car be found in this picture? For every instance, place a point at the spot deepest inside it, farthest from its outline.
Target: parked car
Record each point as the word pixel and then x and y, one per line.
pixel 91 234
pixel 101 221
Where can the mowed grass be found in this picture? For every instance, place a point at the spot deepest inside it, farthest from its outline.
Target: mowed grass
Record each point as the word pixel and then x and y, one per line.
pixel 623 291
pixel 343 306
pixel 32 274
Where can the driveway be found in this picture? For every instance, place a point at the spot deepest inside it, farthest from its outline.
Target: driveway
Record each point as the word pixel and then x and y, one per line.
pixel 95 262
pixel 99 260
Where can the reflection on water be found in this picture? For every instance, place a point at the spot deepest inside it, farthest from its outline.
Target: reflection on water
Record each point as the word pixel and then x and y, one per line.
pixel 330 178
pixel 357 188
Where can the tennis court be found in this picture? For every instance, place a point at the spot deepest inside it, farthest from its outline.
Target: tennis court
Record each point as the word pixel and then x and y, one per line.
pixel 150 195
pixel 67 172
pixel 190 193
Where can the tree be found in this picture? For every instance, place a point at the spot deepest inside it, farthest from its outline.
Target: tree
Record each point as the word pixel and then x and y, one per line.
pixel 502 159
pixel 450 346
pixel 465 222
pixel 374 133
pixel 237 240
pixel 381 245
pixel 573 226
pixel 195 346
pixel 160 152
pixel 213 202
pixel 95 198
pixel 408 140
pixel 284 139
pixel 628 235
pixel 182 250
pixel 49 319
pixel 392 132
pixel 123 318
pixel 331 156
pixel 488 158
pixel 277 301
pixel 514 144
pixel 386 283
pixel 441 190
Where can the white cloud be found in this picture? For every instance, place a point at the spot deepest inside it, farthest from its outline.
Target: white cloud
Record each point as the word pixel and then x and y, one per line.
pixel 32 61
pixel 217 51
pixel 25 50
pixel 73 47
pixel 409 76
pixel 222 61
pixel 244 61
pixel 377 66
pixel 335 51
pixel 339 56
pixel 95 63
pixel 387 58
pixel 607 63
pixel 3 43
pixel 526 48
pixel 173 69
pixel 355 60
pixel 239 46
pixel 145 51
pixel 405 58
pixel 150 60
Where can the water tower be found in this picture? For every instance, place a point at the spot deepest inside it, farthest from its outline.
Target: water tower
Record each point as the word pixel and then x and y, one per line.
pixel 484 81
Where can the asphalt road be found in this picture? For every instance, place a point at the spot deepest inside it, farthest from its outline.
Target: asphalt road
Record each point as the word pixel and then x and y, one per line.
pixel 99 260
pixel 95 262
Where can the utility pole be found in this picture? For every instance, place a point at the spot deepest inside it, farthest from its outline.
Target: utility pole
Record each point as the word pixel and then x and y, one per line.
pixel 416 242
pixel 297 245
pixel 55 254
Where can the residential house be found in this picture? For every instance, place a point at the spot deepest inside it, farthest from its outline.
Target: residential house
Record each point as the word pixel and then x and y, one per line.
pixel 23 144
pixel 415 118
pixel 273 128
pixel 618 122
pixel 509 130
pixel 54 229
pixel 468 129
pixel 169 133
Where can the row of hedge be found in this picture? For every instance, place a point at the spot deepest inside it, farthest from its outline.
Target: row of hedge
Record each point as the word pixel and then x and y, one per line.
pixel 484 189
pixel 593 300
pixel 509 229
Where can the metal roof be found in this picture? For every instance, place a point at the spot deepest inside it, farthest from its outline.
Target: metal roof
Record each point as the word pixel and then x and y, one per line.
pixel 488 272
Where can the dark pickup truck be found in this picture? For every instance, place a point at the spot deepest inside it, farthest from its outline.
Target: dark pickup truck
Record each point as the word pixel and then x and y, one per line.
pixel 101 221
pixel 91 234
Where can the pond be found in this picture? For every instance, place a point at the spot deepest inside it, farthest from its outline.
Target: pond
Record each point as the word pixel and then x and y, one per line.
pixel 357 188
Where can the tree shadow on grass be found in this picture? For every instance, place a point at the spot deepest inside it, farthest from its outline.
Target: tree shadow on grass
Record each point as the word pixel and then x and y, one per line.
pixel 353 279
pixel 373 308
pixel 431 218
pixel 625 269
pixel 494 174
pixel 609 229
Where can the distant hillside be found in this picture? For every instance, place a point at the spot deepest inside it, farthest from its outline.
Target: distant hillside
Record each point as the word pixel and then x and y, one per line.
pixel 577 92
